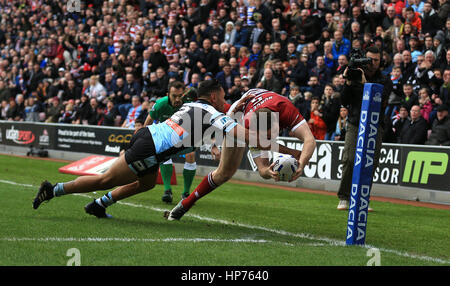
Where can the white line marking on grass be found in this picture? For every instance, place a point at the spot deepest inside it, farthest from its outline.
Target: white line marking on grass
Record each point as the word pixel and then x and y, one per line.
pixel 17 184
pixel 125 239
pixel 330 241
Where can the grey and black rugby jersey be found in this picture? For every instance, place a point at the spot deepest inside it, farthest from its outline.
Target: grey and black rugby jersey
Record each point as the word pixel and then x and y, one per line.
pixel 189 127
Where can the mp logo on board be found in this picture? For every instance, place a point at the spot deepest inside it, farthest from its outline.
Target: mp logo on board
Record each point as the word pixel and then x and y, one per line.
pixel 420 165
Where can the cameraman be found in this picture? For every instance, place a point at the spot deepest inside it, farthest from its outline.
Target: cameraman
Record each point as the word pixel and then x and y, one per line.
pixel 352 94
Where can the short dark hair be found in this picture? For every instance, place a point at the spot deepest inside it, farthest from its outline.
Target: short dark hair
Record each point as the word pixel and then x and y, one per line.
pixel 373 50
pixel 207 87
pixel 175 84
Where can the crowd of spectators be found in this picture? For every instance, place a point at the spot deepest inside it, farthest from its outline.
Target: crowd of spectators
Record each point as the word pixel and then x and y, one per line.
pixel 107 62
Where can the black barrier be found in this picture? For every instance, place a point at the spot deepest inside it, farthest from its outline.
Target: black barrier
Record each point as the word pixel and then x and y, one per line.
pixel 74 138
pixel 402 165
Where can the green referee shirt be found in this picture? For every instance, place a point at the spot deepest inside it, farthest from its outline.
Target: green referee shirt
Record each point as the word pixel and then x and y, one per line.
pixel 162 109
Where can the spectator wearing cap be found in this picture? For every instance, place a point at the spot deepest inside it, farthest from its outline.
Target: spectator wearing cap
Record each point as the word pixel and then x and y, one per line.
pixel 294 72
pixel 414 131
pixel 439 46
pixel 245 82
pixel 242 35
pixel 229 33
pixel 440 130
pixel 91 60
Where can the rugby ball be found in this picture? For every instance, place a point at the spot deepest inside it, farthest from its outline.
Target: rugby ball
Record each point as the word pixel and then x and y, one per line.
pixel 286 166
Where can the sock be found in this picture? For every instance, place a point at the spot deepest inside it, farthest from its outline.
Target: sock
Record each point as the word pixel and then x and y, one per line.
pixel 188 175
pixel 106 200
pixel 206 186
pixel 166 174
pixel 58 190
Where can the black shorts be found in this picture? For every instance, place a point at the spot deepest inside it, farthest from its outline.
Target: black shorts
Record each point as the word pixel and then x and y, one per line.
pixel 141 156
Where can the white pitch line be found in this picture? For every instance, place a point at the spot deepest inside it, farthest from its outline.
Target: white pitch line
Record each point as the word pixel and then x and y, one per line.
pixel 330 241
pixel 131 239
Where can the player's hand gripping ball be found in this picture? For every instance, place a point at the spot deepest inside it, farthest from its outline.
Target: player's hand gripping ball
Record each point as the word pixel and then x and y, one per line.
pixel 286 166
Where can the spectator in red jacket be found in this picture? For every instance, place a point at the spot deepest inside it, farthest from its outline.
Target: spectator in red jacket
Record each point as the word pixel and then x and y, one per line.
pixel 414 18
pixel 316 123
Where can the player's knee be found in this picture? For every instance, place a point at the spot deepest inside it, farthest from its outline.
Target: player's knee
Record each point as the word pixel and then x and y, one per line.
pixel 106 182
pixel 145 187
pixel 222 176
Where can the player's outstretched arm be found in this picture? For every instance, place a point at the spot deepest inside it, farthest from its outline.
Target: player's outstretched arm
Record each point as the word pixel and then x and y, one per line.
pixel 252 139
pixel 148 120
pixel 304 134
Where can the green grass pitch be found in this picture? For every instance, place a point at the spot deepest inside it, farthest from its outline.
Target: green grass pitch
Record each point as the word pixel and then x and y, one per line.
pixel 234 225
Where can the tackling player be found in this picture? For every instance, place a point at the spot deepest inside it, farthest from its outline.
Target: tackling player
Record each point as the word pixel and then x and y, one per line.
pixel 265 111
pixel 136 170
pixel 161 111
